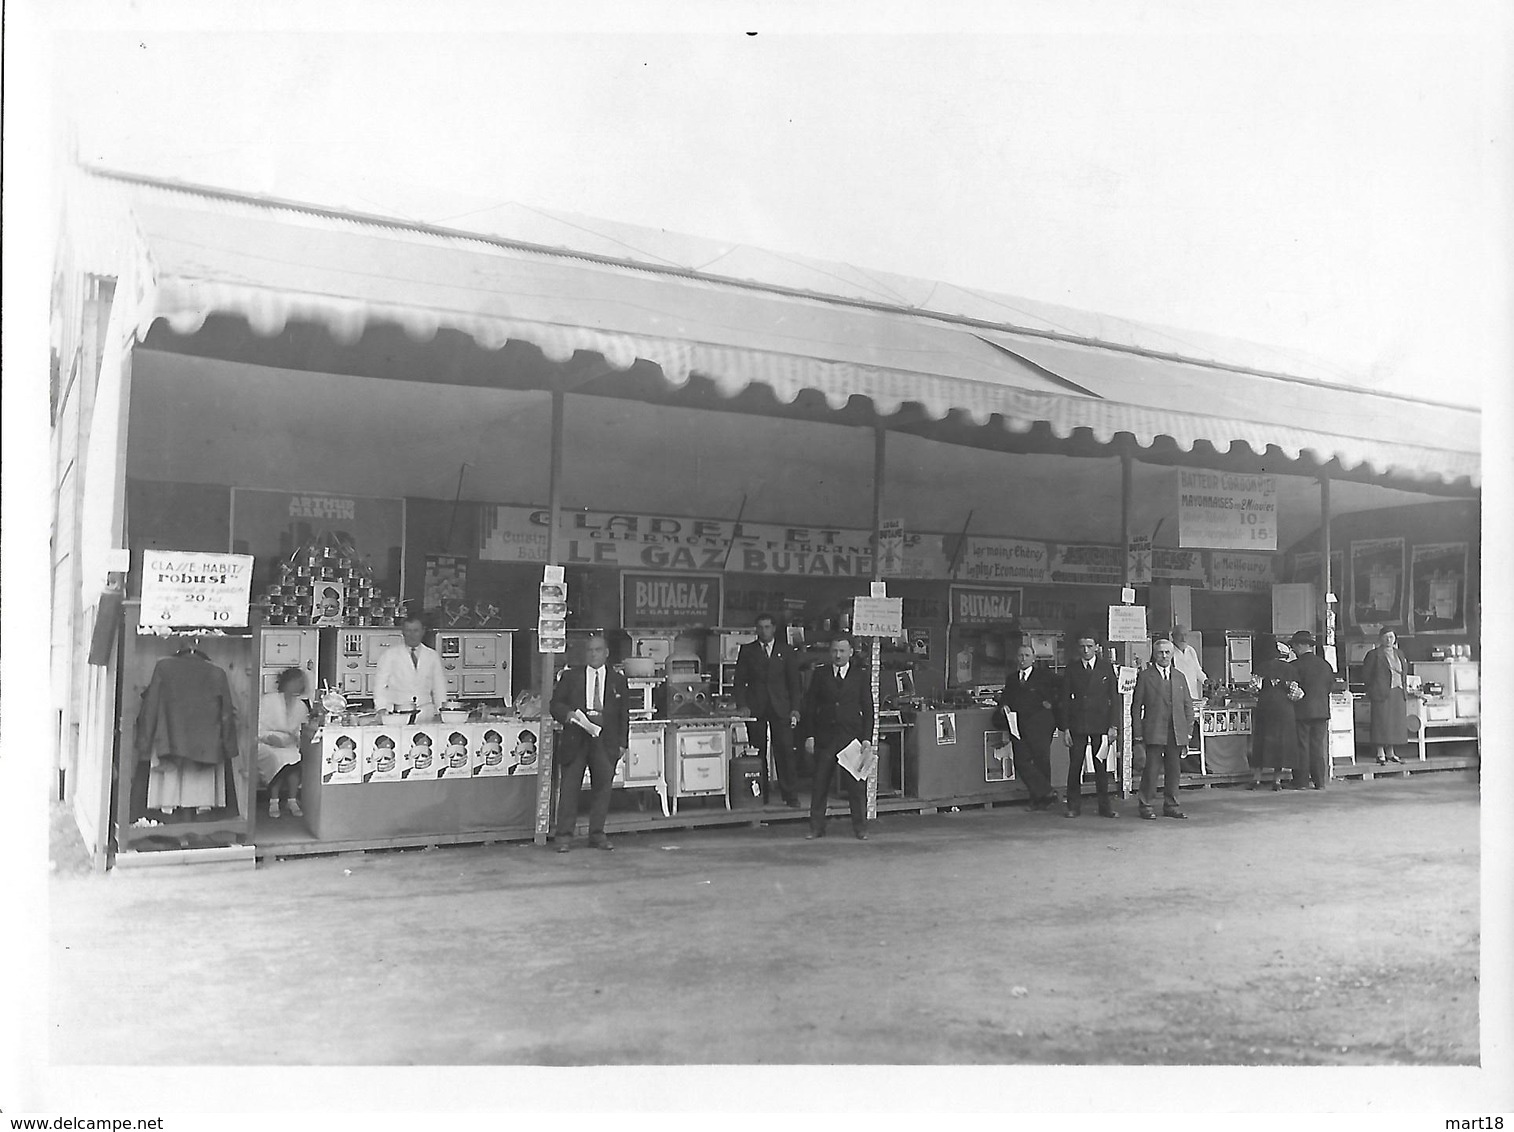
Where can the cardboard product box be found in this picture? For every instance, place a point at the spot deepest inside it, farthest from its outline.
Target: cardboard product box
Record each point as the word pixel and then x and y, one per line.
pixel 423 745
pixel 459 741
pixel 341 755
pixel 385 754
pixel 489 752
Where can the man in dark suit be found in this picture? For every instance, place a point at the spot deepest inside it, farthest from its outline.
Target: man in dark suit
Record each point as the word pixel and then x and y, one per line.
pixel 1032 692
pixel 1317 679
pixel 1161 716
pixel 767 686
pixel 1091 714
pixel 593 705
pixel 837 709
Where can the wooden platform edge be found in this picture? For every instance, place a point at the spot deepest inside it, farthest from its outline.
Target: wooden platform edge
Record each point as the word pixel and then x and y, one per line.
pixel 756 817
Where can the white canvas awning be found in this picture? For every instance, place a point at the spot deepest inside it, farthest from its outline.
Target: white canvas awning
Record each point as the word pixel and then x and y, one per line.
pixel 276 264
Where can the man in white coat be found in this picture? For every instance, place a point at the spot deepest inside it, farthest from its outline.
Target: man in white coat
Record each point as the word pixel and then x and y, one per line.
pixel 410 678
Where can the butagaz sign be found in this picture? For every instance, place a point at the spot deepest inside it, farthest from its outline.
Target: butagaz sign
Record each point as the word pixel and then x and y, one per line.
pixel 1227 511
pixel 974 606
pixel 195 589
pixel 656 601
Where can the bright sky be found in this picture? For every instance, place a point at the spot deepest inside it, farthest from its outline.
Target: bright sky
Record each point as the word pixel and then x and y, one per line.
pixel 1333 187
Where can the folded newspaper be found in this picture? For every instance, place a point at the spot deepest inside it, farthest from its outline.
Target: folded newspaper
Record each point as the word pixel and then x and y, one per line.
pixel 585 722
pixel 858 759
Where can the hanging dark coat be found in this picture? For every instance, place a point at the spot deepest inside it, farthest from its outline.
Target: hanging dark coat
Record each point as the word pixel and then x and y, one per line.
pixel 187 712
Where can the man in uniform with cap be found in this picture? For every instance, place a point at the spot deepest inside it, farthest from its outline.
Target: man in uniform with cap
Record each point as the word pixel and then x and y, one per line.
pixel 1315 676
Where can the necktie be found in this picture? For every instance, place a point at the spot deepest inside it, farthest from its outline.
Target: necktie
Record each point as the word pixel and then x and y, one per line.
pixel 840 672
pixel 594 703
pixel 415 660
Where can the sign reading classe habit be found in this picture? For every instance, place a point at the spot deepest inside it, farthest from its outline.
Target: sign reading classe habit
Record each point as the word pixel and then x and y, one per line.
pixel 194 588
pixel 671 601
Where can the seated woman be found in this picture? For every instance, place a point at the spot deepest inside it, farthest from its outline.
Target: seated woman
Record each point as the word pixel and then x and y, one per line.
pixel 283 716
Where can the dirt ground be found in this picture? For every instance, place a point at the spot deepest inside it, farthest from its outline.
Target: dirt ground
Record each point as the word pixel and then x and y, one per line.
pixel 1299 928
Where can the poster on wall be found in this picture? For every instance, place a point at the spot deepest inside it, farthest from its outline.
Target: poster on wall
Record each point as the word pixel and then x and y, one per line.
pixel 671 601
pixel 998 757
pixel 446 580
pixel 919 643
pixel 1306 569
pixel 1226 510
pixel 1377 582
pixel 272 525
pixel 1438 583
pixel 329 597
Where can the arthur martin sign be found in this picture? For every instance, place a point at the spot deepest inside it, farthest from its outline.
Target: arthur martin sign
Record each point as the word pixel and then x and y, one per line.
pixel 1225 511
pixel 191 588
pixel 974 605
pixel 669 601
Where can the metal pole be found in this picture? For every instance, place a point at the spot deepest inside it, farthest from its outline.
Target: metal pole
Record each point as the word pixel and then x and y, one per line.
pixel 875 650
pixel 1125 753
pixel 880 437
pixel 1327 634
pixel 544 659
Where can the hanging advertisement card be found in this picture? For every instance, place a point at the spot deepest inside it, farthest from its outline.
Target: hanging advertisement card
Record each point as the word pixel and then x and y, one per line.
pixel 1377 582
pixel 1127 622
pixel 1439 588
pixel 891 547
pixel 1140 560
pixel 878 617
pixel 1226 510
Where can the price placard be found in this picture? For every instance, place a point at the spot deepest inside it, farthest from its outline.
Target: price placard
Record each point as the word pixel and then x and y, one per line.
pixel 1127 622
pixel 878 616
pixel 195 589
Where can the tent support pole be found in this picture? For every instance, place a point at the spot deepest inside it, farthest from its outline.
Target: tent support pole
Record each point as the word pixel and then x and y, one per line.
pixel 880 462
pixel 544 659
pixel 1327 628
pixel 1127 491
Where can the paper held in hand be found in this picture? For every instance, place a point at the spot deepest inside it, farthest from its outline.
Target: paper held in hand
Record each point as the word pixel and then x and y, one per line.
pixel 1013 721
pixel 859 759
pixel 585 722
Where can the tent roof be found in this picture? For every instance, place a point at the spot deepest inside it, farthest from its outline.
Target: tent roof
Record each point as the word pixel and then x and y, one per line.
pixel 206 255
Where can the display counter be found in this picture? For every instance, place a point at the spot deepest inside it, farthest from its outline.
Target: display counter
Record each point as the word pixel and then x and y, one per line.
pixel 965 753
pixel 371 783
pixel 1225 730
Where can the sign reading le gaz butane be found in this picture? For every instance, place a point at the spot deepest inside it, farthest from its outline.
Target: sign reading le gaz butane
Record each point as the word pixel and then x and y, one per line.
pixel 192 588
pixel 1227 511
pixel 658 601
pixel 972 605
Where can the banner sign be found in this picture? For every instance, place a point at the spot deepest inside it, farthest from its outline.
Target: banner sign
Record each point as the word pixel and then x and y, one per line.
pixel 1088 565
pixel 974 605
pixel 1178 567
pixel 1226 511
pixel 1005 560
pixel 1306 569
pixel 194 588
pixel 1377 581
pixel 1240 573
pixel 672 601
pixel 1439 588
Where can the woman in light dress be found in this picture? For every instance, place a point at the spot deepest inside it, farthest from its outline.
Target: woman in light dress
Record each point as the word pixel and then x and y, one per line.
pixel 283 717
